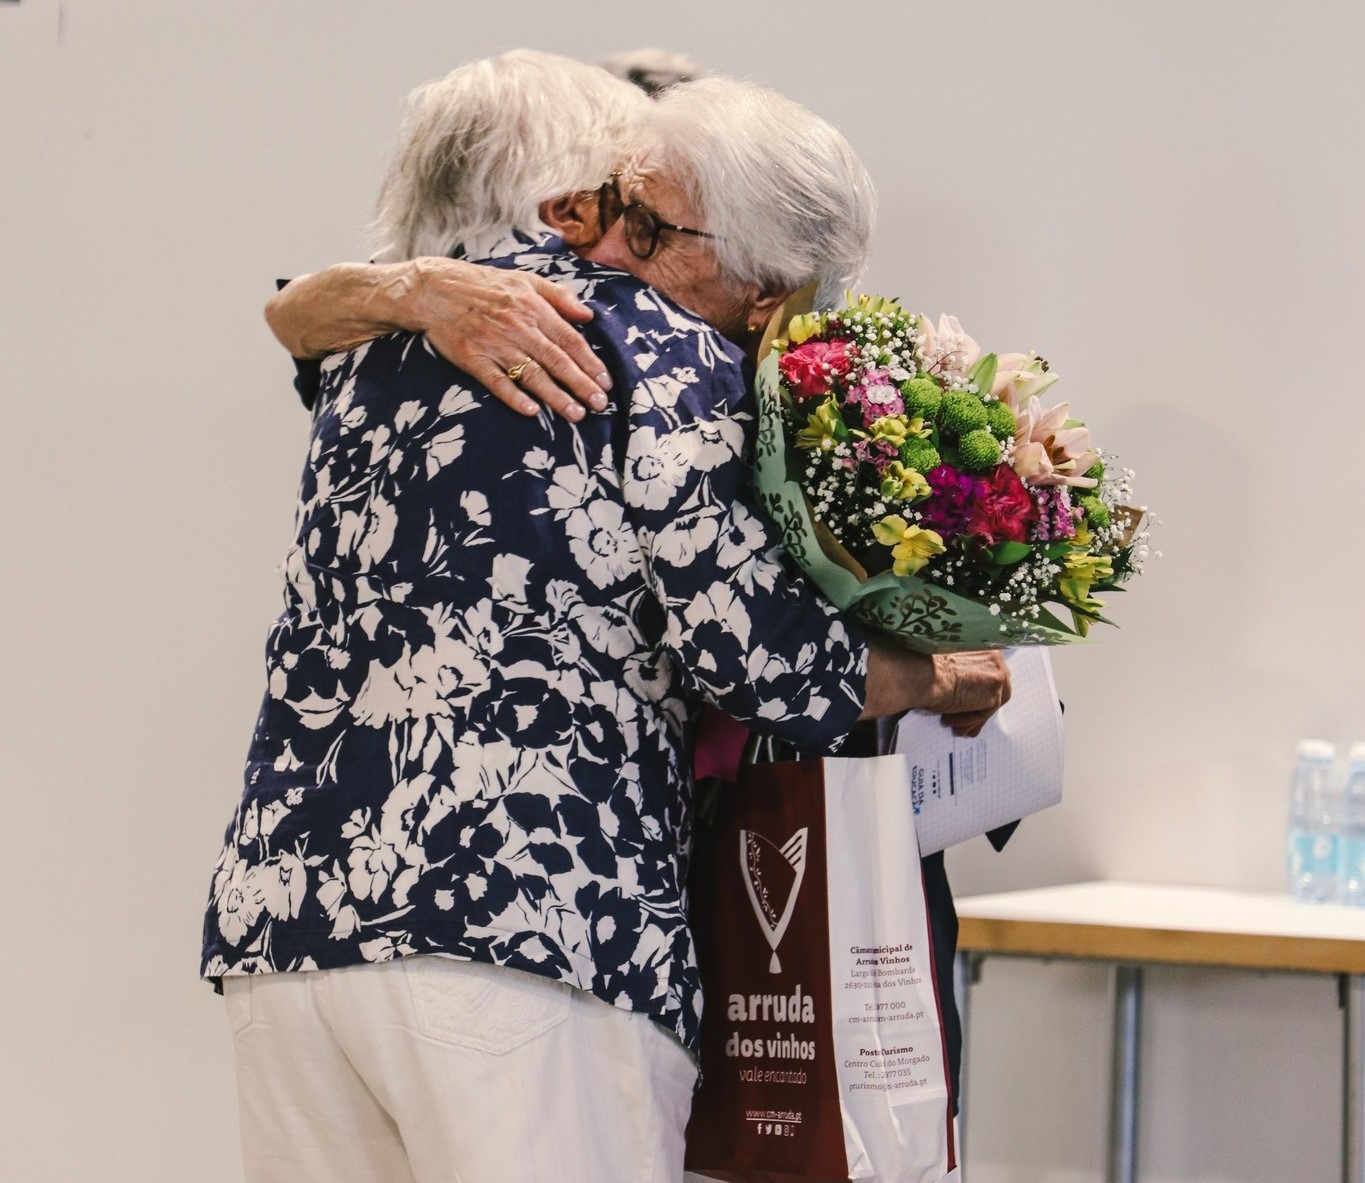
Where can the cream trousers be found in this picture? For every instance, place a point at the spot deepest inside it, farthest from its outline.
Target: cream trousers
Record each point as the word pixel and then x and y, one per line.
pixel 429 1070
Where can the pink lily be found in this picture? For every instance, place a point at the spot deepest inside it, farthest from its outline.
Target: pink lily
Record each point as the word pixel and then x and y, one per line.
pixel 1019 376
pixel 1047 452
pixel 950 350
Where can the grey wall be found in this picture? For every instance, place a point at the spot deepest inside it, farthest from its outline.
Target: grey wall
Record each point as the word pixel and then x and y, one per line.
pixel 1162 197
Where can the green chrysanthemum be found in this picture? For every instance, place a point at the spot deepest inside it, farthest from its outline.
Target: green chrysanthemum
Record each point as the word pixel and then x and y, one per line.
pixel 961 413
pixel 1096 471
pixel 1096 512
pixel 920 455
pixel 1000 420
pixel 922 397
pixel 978 451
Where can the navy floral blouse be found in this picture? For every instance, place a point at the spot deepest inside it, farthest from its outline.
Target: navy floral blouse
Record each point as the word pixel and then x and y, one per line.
pixel 497 635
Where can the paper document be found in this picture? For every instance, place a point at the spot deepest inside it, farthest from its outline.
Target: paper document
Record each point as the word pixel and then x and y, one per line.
pixel 964 787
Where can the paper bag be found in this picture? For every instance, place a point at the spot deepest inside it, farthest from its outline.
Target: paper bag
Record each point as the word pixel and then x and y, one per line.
pixel 822 1043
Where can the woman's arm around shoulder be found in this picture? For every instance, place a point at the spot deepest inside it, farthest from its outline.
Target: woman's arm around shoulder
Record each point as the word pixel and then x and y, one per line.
pixel 483 320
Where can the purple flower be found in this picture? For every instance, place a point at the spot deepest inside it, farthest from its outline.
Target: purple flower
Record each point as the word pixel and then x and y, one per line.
pixel 948 511
pixel 878 453
pixel 1055 516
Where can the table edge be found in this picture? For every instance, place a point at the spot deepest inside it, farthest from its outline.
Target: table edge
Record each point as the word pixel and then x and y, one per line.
pixel 1168 946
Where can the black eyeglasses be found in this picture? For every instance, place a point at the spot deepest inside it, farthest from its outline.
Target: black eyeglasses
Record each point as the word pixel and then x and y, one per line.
pixel 641 224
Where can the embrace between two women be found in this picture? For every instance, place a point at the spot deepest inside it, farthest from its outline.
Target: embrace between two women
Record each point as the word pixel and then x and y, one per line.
pixel 450 911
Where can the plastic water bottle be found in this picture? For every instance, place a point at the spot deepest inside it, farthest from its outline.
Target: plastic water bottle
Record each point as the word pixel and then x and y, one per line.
pixel 1312 844
pixel 1351 830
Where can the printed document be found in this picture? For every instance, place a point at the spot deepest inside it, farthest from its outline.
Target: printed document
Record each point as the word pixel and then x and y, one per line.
pixel 964 787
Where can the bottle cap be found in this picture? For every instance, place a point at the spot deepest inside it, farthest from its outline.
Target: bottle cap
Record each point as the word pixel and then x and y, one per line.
pixel 1316 749
pixel 1357 754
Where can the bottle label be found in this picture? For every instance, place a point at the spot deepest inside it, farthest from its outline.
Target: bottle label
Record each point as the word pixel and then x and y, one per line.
pixel 1311 855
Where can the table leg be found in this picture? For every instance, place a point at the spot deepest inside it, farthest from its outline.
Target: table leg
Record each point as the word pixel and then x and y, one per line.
pixel 1123 1096
pixel 1353 1086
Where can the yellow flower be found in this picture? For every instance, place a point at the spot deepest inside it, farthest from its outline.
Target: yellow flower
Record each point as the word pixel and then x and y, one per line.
pixel 911 546
pixel 802 328
pixel 903 484
pixel 896 429
pixel 872 305
pixel 1079 571
pixel 823 428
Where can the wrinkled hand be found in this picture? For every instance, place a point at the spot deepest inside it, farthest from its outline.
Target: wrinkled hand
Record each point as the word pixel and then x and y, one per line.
pixel 970 688
pixel 486 321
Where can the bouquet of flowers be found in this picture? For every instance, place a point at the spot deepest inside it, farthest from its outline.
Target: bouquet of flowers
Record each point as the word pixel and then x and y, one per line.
pixel 926 488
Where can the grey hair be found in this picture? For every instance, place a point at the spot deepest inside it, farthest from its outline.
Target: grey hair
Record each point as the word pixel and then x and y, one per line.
pixel 783 191
pixel 481 148
pixel 653 70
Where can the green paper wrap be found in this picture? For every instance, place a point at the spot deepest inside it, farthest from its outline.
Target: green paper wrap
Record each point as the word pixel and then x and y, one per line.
pixel 914 612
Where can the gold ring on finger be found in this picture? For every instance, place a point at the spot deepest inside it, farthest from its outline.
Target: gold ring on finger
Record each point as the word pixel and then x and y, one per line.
pixel 515 372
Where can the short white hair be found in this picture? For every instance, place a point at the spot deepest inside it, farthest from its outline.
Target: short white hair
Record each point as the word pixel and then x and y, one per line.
pixel 483 147
pixel 783 191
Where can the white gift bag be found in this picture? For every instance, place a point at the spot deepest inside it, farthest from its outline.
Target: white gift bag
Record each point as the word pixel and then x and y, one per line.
pixel 823 1058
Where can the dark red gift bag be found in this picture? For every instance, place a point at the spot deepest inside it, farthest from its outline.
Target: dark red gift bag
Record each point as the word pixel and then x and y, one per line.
pixel 822 1044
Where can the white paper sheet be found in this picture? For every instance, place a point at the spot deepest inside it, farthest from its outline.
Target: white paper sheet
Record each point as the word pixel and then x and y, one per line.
pixel 964 787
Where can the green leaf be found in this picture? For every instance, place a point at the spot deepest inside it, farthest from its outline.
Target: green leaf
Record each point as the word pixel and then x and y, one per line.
pixel 1047 618
pixel 1005 553
pixel 1122 563
pixel 1091 615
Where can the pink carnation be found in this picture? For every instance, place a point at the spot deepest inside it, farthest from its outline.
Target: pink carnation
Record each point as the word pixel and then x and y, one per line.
pixel 1004 509
pixel 812 367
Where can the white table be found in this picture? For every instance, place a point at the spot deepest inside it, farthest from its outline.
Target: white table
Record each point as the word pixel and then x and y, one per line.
pixel 1133 925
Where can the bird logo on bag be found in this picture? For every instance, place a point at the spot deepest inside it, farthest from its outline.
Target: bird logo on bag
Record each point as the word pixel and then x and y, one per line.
pixel 773 873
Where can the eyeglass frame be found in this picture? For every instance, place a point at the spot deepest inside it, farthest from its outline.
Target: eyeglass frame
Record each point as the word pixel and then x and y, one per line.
pixel 610 190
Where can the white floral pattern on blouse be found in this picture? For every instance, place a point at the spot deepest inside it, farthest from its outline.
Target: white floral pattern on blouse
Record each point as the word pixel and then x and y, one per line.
pixel 496 637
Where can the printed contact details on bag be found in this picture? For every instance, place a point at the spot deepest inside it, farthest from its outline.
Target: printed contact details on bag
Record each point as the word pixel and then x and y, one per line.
pixel 892 1040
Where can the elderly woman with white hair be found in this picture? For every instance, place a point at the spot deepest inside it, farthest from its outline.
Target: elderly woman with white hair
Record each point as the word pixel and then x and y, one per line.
pixel 450 911
pixel 437 200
